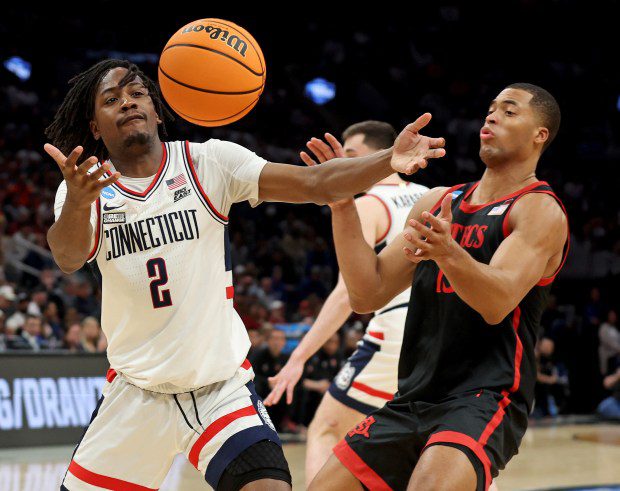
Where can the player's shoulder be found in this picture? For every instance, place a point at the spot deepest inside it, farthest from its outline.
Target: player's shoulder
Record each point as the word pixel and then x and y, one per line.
pixel 539 205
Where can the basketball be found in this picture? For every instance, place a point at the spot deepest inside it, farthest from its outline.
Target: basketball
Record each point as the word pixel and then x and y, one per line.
pixel 212 72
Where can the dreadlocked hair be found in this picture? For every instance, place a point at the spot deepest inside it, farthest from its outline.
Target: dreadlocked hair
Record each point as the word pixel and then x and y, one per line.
pixel 71 124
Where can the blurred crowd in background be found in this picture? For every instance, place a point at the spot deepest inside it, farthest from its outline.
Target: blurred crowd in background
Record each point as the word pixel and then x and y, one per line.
pixel 448 61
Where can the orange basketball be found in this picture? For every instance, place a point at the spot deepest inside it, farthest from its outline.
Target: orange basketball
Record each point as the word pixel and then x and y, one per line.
pixel 212 72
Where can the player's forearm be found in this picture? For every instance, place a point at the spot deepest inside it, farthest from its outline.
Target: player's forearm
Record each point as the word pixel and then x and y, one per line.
pixel 333 314
pixel 484 288
pixel 343 178
pixel 70 236
pixel 357 260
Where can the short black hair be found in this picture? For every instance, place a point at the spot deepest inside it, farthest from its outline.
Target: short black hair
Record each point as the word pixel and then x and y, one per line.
pixel 71 124
pixel 545 106
pixel 377 134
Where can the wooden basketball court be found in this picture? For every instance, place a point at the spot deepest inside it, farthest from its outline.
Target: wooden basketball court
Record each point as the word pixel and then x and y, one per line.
pixel 550 457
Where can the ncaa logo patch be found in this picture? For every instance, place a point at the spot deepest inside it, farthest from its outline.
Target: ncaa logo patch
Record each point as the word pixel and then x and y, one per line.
pixel 345 376
pixel 108 192
pixel 262 410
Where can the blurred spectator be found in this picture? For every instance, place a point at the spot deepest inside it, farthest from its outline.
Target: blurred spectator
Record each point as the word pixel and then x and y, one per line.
pixel 319 372
pixel 257 341
pixel 609 347
pixel 18 318
pixel 32 333
pixel 268 361
pixel 91 336
pixel 72 339
pixel 610 407
pixel 352 336
pixel 550 391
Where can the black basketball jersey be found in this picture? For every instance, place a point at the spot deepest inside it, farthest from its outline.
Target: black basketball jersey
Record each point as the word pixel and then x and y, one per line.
pixel 448 348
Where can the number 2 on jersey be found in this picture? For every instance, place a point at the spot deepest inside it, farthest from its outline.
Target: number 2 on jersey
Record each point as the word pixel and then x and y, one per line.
pixel 156 268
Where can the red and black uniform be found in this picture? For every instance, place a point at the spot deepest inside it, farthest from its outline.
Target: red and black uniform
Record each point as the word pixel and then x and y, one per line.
pixel 462 382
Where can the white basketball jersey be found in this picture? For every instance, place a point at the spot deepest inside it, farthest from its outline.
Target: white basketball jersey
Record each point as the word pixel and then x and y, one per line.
pixel 397 200
pixel 162 249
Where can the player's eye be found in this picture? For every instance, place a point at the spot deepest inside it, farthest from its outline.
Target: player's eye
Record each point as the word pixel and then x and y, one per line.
pixel 138 93
pixel 109 100
pixel 510 113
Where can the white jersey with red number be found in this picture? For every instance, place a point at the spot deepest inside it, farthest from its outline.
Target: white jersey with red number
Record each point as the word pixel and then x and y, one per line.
pixel 397 200
pixel 161 246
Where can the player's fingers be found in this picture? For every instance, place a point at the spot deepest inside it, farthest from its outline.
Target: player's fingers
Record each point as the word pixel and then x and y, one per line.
pixel 99 172
pixel 316 151
pixel 435 153
pixel 56 154
pixel 72 158
pixel 335 144
pixel 416 166
pixel 446 207
pixel 416 241
pixel 436 222
pixel 289 393
pixel 324 147
pixel 436 142
pixel 413 257
pixel 423 230
pixel 110 180
pixel 85 166
pixel 309 161
pixel 419 123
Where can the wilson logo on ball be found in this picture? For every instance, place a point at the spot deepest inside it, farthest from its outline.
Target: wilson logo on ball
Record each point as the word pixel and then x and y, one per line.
pixel 235 42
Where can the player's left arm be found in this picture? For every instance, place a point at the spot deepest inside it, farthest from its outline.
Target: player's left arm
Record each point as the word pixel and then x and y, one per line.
pixel 533 250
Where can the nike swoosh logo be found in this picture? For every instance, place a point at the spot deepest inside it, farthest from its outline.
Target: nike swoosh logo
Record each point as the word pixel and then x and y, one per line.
pixel 109 208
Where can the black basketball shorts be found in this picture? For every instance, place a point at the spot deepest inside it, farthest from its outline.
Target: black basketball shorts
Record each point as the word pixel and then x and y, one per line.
pixel 383 450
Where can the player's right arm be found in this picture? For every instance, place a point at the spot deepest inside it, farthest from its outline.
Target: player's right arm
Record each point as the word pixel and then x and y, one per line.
pixel 373 280
pixel 70 236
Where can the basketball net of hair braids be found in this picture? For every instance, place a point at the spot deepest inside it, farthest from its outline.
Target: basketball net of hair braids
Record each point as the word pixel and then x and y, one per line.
pixel 71 124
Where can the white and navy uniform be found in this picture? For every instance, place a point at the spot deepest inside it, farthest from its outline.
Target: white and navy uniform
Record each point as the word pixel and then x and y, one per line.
pixel 179 380
pixel 369 378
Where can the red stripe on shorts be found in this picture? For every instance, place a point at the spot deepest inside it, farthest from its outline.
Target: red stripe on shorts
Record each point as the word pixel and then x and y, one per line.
pixel 230 292
pixel 214 428
pixel 376 334
pixel 359 468
pixel 466 441
pixel 246 364
pixel 104 482
pixel 111 375
pixel 373 392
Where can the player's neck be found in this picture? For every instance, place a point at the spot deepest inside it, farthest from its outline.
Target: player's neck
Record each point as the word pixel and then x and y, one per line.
pixel 138 160
pixel 503 180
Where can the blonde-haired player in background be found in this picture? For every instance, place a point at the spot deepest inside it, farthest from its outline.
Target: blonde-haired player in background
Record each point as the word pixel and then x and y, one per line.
pixel 369 378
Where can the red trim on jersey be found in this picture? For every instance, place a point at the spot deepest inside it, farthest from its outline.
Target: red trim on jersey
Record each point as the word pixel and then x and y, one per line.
pixel 97 232
pixel 230 292
pixel 467 208
pixel 376 334
pixel 111 375
pixel 347 456
pixel 104 482
pixel 164 157
pixel 449 190
pixel 197 181
pixel 214 428
pixel 384 235
pixel 466 441
pixel 246 365
pixel 505 229
pixel 503 403
pixel 373 392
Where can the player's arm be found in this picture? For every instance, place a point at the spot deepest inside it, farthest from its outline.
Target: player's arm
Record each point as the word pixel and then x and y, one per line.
pixel 69 237
pixel 373 280
pixel 342 178
pixel 539 231
pixel 333 314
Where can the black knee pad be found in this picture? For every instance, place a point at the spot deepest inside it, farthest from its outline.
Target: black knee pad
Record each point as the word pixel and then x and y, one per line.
pixel 263 460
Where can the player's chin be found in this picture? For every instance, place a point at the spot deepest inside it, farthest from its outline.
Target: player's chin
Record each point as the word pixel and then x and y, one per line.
pixel 136 137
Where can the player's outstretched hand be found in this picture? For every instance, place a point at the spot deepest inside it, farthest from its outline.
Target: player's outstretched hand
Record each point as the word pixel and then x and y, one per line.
pixel 434 242
pixel 82 188
pixel 324 152
pixel 412 150
pixel 284 381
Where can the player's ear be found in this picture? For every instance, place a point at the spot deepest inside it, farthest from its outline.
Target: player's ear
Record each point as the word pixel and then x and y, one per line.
pixel 542 135
pixel 159 121
pixel 94 129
